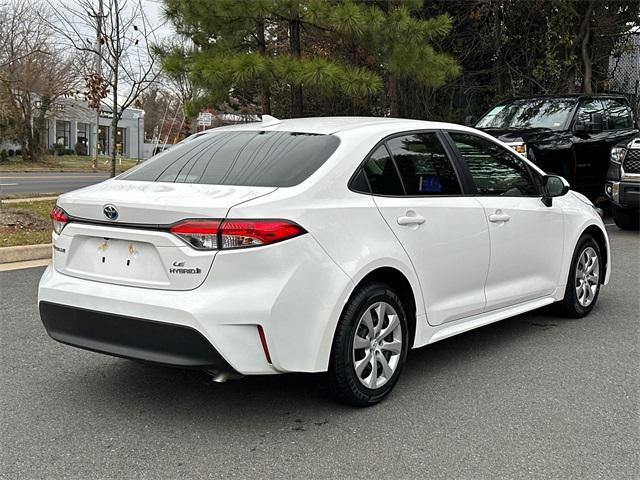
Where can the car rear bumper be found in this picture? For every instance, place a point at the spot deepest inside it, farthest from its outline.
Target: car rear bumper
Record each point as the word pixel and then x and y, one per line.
pixel 128 337
pixel 292 290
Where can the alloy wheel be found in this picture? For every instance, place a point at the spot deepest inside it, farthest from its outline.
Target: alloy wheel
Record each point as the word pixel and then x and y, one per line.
pixel 587 276
pixel 377 345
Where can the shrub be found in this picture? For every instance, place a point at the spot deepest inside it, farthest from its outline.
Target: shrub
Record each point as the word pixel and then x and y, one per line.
pixel 81 149
pixel 18 152
pixel 3 155
pixel 59 149
pixel 11 152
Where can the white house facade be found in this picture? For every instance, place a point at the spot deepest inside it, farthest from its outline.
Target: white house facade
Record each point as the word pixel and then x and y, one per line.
pixel 71 126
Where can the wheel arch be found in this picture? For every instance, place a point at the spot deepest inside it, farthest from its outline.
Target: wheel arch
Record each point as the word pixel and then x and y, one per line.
pixel 601 239
pixel 401 286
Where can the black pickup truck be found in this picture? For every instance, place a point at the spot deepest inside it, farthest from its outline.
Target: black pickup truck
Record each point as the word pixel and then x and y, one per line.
pixel 623 184
pixel 569 135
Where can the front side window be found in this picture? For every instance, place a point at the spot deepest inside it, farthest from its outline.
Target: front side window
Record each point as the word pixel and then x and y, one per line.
pixel 424 165
pixel 382 173
pixel 586 110
pixel 250 158
pixel 618 114
pixel 495 170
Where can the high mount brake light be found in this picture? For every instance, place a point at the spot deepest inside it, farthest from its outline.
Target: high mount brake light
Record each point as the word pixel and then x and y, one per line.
pixel 239 233
pixel 59 219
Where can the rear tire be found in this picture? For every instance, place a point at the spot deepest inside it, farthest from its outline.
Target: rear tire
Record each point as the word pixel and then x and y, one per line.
pixel 372 334
pixel 585 276
pixel 626 218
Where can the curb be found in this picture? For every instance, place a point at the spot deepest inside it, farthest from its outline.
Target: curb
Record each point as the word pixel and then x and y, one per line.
pixel 25 252
pixel 25 200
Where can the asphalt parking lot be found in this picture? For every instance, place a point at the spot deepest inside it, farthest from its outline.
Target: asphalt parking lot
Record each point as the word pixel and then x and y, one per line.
pixel 535 396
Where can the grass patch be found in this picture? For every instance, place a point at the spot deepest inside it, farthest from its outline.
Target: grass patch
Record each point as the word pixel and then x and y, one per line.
pixel 25 223
pixel 65 163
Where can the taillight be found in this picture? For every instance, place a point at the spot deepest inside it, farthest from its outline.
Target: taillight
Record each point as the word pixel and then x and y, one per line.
pixel 200 234
pixel 226 234
pixel 59 218
pixel 251 233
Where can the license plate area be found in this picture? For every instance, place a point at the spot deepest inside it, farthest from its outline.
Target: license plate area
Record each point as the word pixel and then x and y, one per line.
pixel 117 261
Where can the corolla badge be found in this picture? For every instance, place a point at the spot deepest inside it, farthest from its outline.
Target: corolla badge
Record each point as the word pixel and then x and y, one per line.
pixel 110 212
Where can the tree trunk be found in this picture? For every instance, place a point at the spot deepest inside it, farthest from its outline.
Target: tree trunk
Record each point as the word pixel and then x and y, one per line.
pixel 585 37
pixel 392 94
pixel 262 48
pixel 114 131
pixel 296 52
pixel 32 127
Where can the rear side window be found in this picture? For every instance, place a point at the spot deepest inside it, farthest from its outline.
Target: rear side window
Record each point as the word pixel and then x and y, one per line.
pixel 382 173
pixel 424 166
pixel 618 114
pixel 250 158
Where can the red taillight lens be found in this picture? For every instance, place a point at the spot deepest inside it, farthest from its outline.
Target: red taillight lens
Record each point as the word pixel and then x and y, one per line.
pixel 216 234
pixel 201 234
pixel 251 233
pixel 59 218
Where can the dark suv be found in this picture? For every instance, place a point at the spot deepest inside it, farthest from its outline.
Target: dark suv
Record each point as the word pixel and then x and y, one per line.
pixel 569 135
pixel 623 184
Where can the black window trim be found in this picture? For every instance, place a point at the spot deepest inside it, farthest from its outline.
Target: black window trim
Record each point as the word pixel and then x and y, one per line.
pixel 462 160
pixel 466 188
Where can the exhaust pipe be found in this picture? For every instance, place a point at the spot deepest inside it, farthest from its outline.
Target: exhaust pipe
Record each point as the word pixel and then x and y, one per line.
pixel 220 376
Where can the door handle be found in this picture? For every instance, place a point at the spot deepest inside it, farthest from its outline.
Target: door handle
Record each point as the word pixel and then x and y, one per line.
pixel 499 217
pixel 417 220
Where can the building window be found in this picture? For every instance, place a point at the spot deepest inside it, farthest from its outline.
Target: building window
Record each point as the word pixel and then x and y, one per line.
pixel 82 144
pixel 63 134
pixel 121 141
pixel 103 140
pixel 44 134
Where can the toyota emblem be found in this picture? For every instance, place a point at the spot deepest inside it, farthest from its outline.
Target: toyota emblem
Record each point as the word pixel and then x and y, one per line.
pixel 110 212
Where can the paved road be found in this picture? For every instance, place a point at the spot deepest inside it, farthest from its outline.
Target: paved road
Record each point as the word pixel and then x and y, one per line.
pixel 531 397
pixel 46 182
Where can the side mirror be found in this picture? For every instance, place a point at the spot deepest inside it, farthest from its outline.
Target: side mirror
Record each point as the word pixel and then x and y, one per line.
pixel 553 186
pixel 595 124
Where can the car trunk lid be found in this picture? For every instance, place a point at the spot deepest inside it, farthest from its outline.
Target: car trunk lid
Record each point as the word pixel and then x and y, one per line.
pixel 134 247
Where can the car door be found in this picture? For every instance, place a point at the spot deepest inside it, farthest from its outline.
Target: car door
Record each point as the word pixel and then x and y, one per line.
pixel 526 236
pixel 418 192
pixel 591 147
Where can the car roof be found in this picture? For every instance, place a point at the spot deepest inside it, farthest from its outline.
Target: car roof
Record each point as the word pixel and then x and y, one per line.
pixel 572 96
pixel 331 125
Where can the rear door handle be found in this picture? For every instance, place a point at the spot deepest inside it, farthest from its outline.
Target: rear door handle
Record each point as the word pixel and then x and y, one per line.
pixel 417 220
pixel 499 217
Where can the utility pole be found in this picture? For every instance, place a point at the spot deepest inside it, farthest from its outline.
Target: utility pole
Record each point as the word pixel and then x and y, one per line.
pixel 99 72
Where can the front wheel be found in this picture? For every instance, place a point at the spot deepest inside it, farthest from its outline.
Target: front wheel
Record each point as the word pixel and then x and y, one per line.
pixel 626 218
pixel 585 277
pixel 370 346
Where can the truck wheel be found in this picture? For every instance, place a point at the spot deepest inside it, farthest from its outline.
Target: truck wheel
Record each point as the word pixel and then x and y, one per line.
pixel 626 218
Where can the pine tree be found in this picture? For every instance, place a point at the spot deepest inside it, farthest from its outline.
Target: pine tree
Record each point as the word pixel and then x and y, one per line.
pixel 321 49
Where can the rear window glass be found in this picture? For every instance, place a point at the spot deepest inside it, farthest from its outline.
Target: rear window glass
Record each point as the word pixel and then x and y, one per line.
pixel 250 158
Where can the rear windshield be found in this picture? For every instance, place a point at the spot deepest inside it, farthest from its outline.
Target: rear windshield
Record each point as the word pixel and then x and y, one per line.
pixel 250 158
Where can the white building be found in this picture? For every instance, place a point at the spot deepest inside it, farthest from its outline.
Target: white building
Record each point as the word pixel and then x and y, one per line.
pixel 71 125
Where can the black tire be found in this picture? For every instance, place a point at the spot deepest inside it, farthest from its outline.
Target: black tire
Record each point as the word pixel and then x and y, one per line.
pixel 344 383
pixel 569 305
pixel 626 218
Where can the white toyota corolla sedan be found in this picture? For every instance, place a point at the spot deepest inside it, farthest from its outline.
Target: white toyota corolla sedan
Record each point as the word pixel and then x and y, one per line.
pixel 317 245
